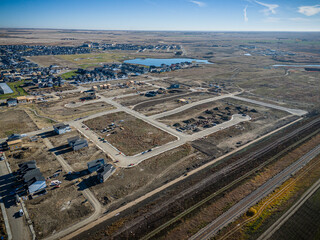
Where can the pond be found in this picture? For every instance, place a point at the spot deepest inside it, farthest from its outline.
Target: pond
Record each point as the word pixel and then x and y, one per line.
pixel 168 61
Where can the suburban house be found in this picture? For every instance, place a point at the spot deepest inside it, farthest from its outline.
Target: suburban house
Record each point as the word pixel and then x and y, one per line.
pixel 95 165
pixel 31 176
pixel 36 183
pixel 26 166
pixel 77 143
pixel 105 172
pixel 12 102
pixel 61 128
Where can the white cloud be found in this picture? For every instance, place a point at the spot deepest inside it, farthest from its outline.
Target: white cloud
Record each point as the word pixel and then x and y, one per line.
pixel 271 8
pixel 309 10
pixel 200 4
pixel 245 14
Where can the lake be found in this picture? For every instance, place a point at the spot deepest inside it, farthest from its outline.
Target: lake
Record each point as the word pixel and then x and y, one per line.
pixel 168 61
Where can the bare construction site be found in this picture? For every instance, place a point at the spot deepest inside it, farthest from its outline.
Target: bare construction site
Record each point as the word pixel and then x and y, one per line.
pixel 114 150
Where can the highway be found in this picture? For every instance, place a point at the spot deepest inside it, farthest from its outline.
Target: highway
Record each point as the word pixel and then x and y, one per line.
pixel 241 207
pixel 69 233
pixel 277 225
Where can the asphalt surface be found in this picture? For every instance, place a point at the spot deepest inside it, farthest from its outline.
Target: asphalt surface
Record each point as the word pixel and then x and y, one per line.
pixel 87 194
pixel 277 225
pixel 241 207
pixel 165 186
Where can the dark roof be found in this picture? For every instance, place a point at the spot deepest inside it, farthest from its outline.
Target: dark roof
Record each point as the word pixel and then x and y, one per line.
pixel 26 163
pixel 104 169
pixel 73 139
pixel 14 137
pixel 34 179
pixel 12 100
pixel 31 174
pixel 61 126
pixel 95 163
pixel 27 167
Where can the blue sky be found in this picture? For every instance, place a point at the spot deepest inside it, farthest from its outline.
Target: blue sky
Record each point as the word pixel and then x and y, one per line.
pixel 198 15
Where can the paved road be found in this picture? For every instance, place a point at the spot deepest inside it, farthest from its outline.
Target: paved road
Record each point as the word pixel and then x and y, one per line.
pixel 182 138
pixel 289 110
pixel 167 185
pixel 241 207
pixel 190 105
pixel 267 234
pixel 19 228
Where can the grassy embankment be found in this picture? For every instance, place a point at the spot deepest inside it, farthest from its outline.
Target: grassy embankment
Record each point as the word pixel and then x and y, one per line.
pixel 17 90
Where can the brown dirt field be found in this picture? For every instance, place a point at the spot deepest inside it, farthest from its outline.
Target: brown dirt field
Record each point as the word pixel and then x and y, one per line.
pixel 77 159
pixel 152 107
pixel 115 91
pixel 59 208
pixel 190 226
pixel 190 116
pixel 57 109
pixel 128 184
pixel 136 135
pixel 15 121
pixel 133 100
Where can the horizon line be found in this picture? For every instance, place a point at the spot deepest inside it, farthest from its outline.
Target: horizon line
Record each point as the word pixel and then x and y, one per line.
pixel 137 30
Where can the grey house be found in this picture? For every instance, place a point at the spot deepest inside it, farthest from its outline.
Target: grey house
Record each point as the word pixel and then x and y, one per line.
pixel 12 102
pixel 36 184
pixel 31 176
pixel 61 128
pixel 95 165
pixel 77 143
pixel 105 172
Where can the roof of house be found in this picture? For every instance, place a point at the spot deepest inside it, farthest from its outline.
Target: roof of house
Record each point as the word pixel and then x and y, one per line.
pixel 21 98
pixel 12 100
pixel 6 89
pixel 95 163
pixel 26 163
pixel 35 179
pixel 105 168
pixel 31 174
pixel 73 139
pixel 28 167
pixel 61 126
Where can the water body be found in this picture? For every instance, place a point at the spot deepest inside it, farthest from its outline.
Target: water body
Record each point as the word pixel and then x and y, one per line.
pixel 279 65
pixel 168 61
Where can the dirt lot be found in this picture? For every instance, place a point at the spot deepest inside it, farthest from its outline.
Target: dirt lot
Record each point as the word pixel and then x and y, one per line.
pixel 167 103
pixel 76 159
pixel 128 184
pixel 190 226
pixel 116 91
pixel 15 121
pixel 59 111
pixel 128 134
pixel 209 114
pixel 133 100
pixel 60 207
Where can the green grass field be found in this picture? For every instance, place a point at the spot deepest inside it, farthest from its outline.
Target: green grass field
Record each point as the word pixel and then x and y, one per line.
pixel 93 58
pixel 68 75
